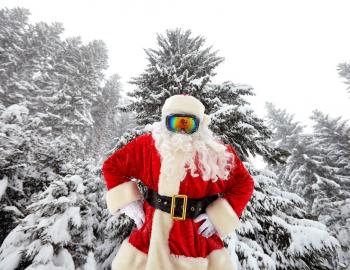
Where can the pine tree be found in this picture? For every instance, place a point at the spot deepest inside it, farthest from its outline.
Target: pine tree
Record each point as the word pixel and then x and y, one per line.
pixel 47 89
pixel 182 65
pixel 176 67
pixel 29 162
pixel 115 230
pixel 298 174
pixel 317 168
pixel 12 166
pixel 60 231
pixel 332 138
pixel 57 80
pixel 344 71
pixel 14 54
pixel 285 130
pixel 275 233
pixel 104 115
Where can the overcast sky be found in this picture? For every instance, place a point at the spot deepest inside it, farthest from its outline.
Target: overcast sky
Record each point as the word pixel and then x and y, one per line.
pixel 287 50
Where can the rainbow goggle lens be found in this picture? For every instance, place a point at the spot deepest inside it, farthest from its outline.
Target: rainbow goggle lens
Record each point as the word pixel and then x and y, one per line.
pixel 182 123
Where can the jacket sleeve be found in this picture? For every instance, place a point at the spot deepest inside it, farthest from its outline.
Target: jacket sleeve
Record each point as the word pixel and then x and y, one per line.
pixel 118 169
pixel 225 212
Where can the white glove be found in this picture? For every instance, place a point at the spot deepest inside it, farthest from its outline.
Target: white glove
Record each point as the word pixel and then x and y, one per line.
pixel 207 229
pixel 134 210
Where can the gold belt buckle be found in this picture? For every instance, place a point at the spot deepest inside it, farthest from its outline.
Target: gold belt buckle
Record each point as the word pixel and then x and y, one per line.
pixel 184 206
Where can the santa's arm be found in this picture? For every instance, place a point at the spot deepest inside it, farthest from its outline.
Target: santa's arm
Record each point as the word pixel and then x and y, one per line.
pixel 118 169
pixel 225 212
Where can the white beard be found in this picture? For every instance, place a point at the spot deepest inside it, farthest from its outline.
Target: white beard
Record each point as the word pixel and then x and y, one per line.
pixel 178 153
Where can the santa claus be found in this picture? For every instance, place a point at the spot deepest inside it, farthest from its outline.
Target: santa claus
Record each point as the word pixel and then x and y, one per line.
pixel 197 190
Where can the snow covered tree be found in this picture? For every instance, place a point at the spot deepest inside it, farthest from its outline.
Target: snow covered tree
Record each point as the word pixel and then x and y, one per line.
pixel 57 80
pixel 235 122
pixel 332 204
pixel 182 65
pixel 61 230
pixel 13 164
pixel 115 230
pixel 275 233
pixel 176 67
pixel 334 135
pixel 47 89
pixel 344 71
pixel 285 130
pixel 317 168
pixel 301 170
pixel 297 174
pixel 29 162
pixel 104 114
pixel 14 54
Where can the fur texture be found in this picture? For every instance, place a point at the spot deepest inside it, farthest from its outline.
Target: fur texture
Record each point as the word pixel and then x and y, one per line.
pixel 129 257
pixel 223 216
pixel 184 104
pixel 214 159
pixel 126 193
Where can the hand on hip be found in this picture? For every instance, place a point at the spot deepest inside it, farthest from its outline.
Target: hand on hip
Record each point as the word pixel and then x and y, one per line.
pixel 134 210
pixel 207 229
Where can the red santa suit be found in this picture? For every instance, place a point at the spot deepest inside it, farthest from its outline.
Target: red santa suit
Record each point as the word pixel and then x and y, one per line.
pixel 163 243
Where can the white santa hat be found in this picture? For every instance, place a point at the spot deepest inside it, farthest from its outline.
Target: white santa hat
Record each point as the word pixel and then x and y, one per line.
pixel 185 103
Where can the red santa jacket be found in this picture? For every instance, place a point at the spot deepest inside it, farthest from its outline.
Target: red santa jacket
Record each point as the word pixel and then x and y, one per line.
pixel 141 160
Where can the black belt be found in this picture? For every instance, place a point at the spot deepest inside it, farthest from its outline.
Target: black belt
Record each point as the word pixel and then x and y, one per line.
pixel 180 209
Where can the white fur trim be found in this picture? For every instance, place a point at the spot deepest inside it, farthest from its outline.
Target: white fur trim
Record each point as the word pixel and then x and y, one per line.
pixel 129 257
pixel 183 104
pixel 122 195
pixel 188 263
pixel 169 184
pixel 159 251
pixel 223 216
pixel 220 259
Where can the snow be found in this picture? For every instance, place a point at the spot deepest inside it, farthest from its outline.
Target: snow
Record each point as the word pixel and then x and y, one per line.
pixel 74 215
pixel 33 248
pixel 90 262
pixel 3 185
pixel 78 181
pixel 45 254
pixel 321 180
pixel 36 75
pixel 11 261
pixel 58 231
pixel 227 109
pixel 197 82
pixel 306 238
pixel 63 261
pixel 14 111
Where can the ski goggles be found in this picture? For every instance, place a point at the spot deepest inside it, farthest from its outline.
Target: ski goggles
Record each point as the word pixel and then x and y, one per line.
pixel 182 123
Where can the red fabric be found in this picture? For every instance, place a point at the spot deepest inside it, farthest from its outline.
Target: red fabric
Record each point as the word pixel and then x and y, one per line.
pixel 140 159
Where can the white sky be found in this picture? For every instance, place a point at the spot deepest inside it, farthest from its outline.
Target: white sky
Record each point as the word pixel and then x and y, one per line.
pixel 287 50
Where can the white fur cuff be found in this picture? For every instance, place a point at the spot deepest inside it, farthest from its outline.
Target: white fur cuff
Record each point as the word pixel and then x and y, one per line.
pixel 122 195
pixel 223 216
